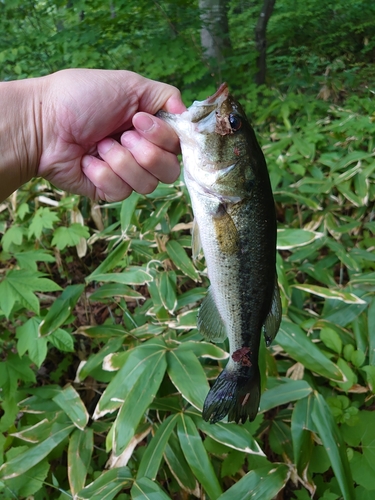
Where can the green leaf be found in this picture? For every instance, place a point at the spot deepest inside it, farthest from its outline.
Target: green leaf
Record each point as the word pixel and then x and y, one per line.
pixel 131 276
pixel 13 235
pixel 61 309
pixel 145 489
pixel 287 239
pixel 289 390
pixel 112 290
pixel 167 291
pixel 137 401
pixel 95 360
pixel 196 456
pixel 107 485
pixel 29 341
pixel 204 349
pixel 69 401
pixel 28 484
pixel 28 260
pixel 262 483
pixel 232 463
pixel 188 376
pixel 136 362
pixel 62 339
pixel 331 339
pixel 153 455
pixel 302 437
pixel 43 218
pixel 23 462
pixel 69 236
pixel 13 369
pixel 114 257
pixel 299 346
pixel 326 293
pixel 334 445
pixel 81 446
pixel 371 331
pixel 179 467
pixel 19 286
pixel 233 435
pixel 128 207
pixel 370 377
pixel 181 260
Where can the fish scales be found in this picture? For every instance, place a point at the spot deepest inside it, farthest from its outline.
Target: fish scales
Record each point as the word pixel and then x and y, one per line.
pixel 227 178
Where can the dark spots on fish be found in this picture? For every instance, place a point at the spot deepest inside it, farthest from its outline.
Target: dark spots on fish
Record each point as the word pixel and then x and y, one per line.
pixel 242 356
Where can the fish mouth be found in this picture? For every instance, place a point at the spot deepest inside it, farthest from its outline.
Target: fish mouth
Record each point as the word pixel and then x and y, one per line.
pixel 222 92
pixel 200 110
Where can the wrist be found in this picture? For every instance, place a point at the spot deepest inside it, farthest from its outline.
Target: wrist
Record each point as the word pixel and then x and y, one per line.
pixel 20 133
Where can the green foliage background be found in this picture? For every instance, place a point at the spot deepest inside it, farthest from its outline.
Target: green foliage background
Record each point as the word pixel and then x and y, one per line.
pixel 103 374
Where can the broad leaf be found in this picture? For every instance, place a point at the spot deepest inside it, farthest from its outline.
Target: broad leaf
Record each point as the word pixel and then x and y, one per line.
pixel 334 445
pixel 107 485
pixel 69 401
pixel 298 345
pixel 153 455
pixel 196 456
pixel 137 401
pixel 19 286
pixel 230 434
pixel 181 260
pixel 188 376
pixel 35 454
pixel 289 390
pixel 81 446
pixel 262 483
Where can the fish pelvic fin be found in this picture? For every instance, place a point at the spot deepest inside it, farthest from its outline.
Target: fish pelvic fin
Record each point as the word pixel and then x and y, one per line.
pixel 234 394
pixel 210 323
pixel 273 319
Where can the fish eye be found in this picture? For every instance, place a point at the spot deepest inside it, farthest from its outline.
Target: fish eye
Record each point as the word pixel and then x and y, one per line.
pixel 235 122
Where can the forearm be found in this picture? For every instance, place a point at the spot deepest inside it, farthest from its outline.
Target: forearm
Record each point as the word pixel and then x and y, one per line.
pixel 20 133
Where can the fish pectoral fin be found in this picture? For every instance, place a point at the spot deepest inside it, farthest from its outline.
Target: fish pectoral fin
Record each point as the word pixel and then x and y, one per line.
pixel 210 323
pixel 196 245
pixel 273 320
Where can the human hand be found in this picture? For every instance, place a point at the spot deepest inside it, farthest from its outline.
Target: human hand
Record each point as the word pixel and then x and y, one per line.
pixel 100 138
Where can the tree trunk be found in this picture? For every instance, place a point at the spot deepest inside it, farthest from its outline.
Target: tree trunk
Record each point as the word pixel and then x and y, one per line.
pixel 215 31
pixel 261 41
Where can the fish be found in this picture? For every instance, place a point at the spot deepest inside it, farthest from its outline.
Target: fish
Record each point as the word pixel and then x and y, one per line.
pixel 226 175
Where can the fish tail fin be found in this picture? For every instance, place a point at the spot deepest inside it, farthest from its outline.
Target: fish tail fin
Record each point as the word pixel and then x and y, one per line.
pixel 235 394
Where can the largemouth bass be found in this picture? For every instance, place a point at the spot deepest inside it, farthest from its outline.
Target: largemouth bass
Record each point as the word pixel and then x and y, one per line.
pixel 235 223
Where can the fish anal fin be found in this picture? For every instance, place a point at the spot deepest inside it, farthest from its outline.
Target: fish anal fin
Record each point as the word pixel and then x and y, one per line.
pixel 210 323
pixel 273 319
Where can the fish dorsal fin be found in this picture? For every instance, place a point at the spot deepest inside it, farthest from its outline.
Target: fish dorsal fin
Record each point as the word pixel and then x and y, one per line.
pixel 273 320
pixel 210 323
pixel 196 244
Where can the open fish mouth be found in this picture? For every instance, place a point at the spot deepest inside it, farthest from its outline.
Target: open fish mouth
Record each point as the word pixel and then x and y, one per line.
pixel 200 110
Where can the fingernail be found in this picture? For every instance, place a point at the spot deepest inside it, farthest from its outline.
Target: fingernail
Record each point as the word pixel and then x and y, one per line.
pixel 86 160
pixel 105 145
pixel 143 122
pixel 129 139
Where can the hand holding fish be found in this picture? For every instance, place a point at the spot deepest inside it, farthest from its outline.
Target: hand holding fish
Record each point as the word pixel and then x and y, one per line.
pixel 90 132
pixel 235 223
